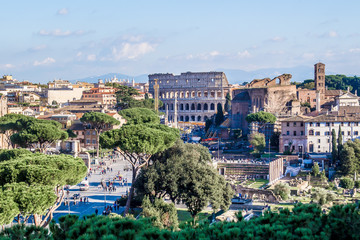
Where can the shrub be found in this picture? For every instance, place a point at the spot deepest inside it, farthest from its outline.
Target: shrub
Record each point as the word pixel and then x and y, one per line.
pixel 346 183
pixel 282 190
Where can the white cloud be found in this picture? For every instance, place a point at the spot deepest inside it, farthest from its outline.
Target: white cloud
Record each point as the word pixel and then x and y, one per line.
pixel 277 39
pixel 91 57
pixel 129 50
pixel 63 11
pixel 243 54
pixel 354 50
pixel 46 61
pixel 214 53
pixel 7 66
pixel 79 54
pixel 60 33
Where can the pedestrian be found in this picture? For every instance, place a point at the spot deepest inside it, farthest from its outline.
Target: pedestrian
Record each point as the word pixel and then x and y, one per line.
pixel 80 199
pixel 96 211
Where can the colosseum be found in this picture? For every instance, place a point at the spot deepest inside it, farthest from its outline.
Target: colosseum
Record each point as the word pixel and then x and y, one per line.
pixel 196 94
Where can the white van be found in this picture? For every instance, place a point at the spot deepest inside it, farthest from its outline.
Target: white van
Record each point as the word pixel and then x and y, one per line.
pixel 84 185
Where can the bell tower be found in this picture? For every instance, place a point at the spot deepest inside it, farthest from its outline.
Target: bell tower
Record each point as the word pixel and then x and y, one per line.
pixel 319 78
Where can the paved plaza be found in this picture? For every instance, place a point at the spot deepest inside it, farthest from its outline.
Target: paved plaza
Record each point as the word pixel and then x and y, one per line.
pixel 97 196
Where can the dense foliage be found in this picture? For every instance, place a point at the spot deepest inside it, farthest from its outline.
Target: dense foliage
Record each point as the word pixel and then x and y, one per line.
pixel 342 222
pixel 185 174
pixel 282 190
pixel 99 122
pixel 27 132
pixel 261 118
pixel 257 140
pixel 125 98
pixel 139 139
pixel 219 116
pixel 350 157
pixel 31 184
pixel 338 81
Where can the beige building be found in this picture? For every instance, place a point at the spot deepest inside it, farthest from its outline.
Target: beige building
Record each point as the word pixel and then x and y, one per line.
pixel 197 94
pixel 104 95
pixel 302 134
pixel 62 95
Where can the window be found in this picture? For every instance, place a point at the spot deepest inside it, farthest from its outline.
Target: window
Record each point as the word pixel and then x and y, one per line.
pixel 319 141
pixel 294 133
pixel 87 132
pixel 87 141
pixel 302 133
pixel 287 124
pixel 328 140
pixel 311 132
pixel 294 124
pixel 332 124
pixel 93 141
pixel 342 124
pixel 349 133
pixel 356 124
pixel 328 124
pixel 302 124
pixel 356 133
pixel 342 133
pixel 349 124
pixel 317 133
pixel 287 133
pixel 318 124
pixel 311 124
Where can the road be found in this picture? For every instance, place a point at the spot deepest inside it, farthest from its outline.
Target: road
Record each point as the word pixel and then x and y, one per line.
pixel 96 194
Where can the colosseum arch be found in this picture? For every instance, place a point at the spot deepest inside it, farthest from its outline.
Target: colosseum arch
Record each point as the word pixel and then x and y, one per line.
pixel 181 94
pixel 199 118
pixel 181 107
pixel 193 118
pixel 199 93
pixel 181 118
pixel 198 106
pixel 193 106
pixel 187 119
pixel 205 107
pixel 172 107
pixel 206 94
pixel 171 95
pixel 187 94
pixel 219 94
pixel 192 94
pixel 167 94
pixel 187 107
pixel 212 106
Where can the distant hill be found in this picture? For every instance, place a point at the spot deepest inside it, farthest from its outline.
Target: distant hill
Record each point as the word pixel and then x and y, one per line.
pixel 234 76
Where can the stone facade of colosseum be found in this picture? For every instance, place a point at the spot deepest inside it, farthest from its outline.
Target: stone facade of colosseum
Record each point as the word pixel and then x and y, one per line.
pixel 197 94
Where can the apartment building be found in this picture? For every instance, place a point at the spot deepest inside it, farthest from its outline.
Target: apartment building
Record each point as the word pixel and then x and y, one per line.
pixel 313 134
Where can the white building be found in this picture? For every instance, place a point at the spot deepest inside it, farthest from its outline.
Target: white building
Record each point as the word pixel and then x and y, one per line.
pixel 313 134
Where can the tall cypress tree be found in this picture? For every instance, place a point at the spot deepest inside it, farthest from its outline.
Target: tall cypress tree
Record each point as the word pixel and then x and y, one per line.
pixel 334 152
pixel 340 141
pixel 219 117
pixel 228 103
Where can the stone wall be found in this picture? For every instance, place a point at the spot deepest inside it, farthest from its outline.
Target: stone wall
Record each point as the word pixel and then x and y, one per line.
pixel 197 94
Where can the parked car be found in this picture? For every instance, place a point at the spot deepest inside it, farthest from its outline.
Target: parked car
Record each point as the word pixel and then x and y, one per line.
pixel 84 185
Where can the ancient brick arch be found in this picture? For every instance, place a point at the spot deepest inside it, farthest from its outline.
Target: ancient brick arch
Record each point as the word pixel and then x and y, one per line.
pixel 251 193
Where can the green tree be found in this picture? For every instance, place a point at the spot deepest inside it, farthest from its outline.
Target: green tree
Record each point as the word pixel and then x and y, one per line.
pixel 322 196
pixel 208 124
pixel 33 184
pixel 137 143
pixel 315 170
pixel 340 141
pixel 261 118
pixel 282 190
pixel 346 183
pixel 140 116
pixel 71 133
pixel 257 140
pixel 164 214
pixel 146 96
pixel 98 122
pixel 34 133
pixel 183 172
pixel 228 103
pixel 219 117
pixel 8 126
pixel 348 160
pixel 334 152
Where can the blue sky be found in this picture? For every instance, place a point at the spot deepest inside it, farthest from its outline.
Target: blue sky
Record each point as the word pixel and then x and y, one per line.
pixel 43 40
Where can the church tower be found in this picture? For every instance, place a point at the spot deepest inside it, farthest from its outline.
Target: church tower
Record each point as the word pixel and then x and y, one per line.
pixel 320 78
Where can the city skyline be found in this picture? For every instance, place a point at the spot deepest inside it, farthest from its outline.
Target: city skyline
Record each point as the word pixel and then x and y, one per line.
pixel 69 40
